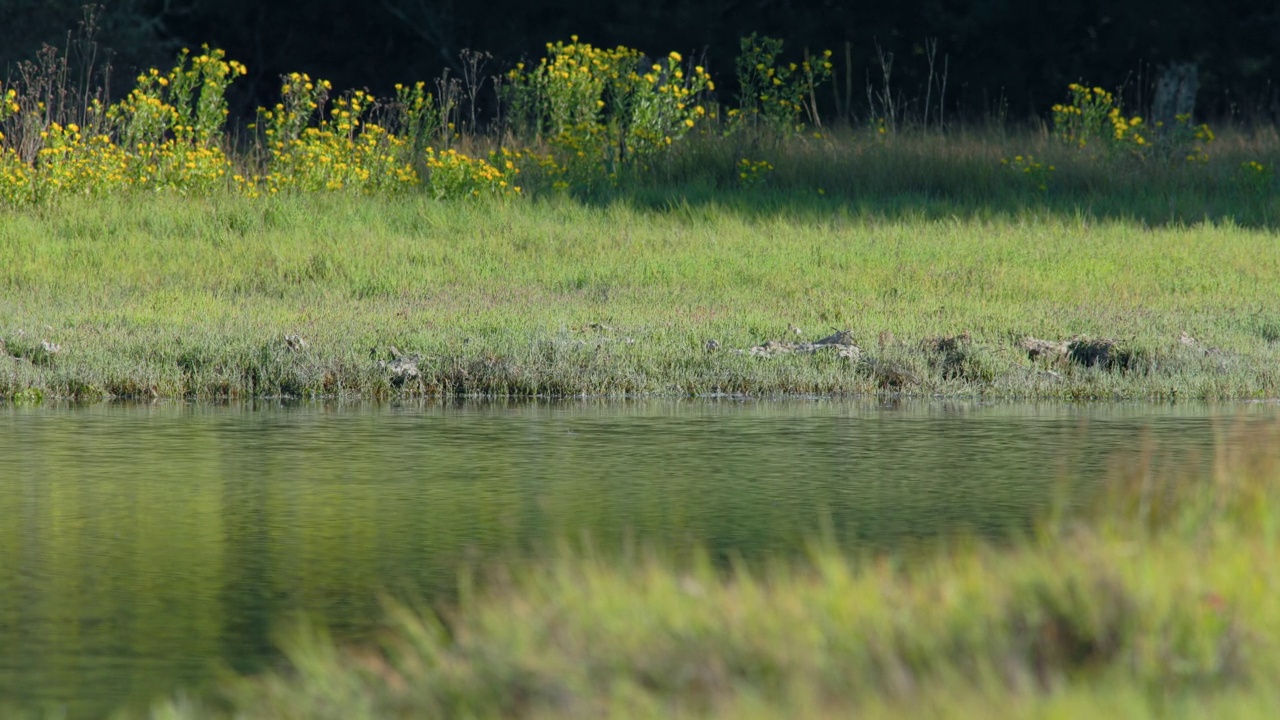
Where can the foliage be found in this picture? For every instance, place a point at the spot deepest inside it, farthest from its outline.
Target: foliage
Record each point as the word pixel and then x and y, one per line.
pixel 1256 177
pixel 1037 173
pixel 773 94
pixel 602 110
pixel 166 134
pixel 341 150
pixel 416 116
pixel 583 120
pixel 1187 139
pixel 1094 117
pixel 8 104
pixel 454 175
pixel 188 104
pixel 753 173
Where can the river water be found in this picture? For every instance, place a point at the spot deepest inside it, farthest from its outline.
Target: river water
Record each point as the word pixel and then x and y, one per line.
pixel 145 547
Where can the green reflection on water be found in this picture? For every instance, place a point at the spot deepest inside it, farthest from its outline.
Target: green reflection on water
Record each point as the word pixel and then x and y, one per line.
pixel 141 546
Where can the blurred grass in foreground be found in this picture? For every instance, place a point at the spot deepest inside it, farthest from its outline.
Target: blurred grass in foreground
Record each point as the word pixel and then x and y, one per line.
pixel 1163 606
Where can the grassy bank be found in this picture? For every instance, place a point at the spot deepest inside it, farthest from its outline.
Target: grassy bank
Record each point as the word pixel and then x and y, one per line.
pixel 621 229
pixel 170 297
pixel 1162 605
pixel 1167 283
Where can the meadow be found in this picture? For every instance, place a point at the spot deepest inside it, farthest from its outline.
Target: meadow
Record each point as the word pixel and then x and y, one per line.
pixel 620 231
pixel 227 296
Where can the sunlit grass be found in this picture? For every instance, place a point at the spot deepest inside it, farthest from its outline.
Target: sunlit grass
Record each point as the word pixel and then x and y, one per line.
pixel 167 296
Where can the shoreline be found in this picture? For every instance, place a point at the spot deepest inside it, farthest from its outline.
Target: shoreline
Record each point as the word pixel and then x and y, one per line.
pixel 379 297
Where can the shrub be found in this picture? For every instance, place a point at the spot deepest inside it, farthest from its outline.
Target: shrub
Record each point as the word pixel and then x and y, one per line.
pixel 605 109
pixel 775 95
pixel 1094 117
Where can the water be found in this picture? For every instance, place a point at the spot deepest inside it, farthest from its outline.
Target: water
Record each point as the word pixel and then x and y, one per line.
pixel 144 546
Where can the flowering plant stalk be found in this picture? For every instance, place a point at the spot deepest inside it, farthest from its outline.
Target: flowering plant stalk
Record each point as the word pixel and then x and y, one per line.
pixel 776 95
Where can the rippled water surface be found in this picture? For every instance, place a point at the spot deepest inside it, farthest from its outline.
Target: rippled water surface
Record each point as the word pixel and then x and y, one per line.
pixel 143 547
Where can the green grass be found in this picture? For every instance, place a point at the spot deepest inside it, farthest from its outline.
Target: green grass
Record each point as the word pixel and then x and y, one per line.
pixel 1162 605
pixel 616 292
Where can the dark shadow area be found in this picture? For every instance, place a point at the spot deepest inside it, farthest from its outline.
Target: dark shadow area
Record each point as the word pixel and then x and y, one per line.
pixel 922 206
pixel 1000 58
pixel 982 172
pixel 956 177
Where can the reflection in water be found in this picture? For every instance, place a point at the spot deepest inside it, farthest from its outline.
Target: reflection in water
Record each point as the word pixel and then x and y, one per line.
pixel 140 546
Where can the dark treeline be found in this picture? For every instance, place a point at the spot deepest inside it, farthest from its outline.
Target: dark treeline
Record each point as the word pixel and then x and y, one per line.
pixel 1003 58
